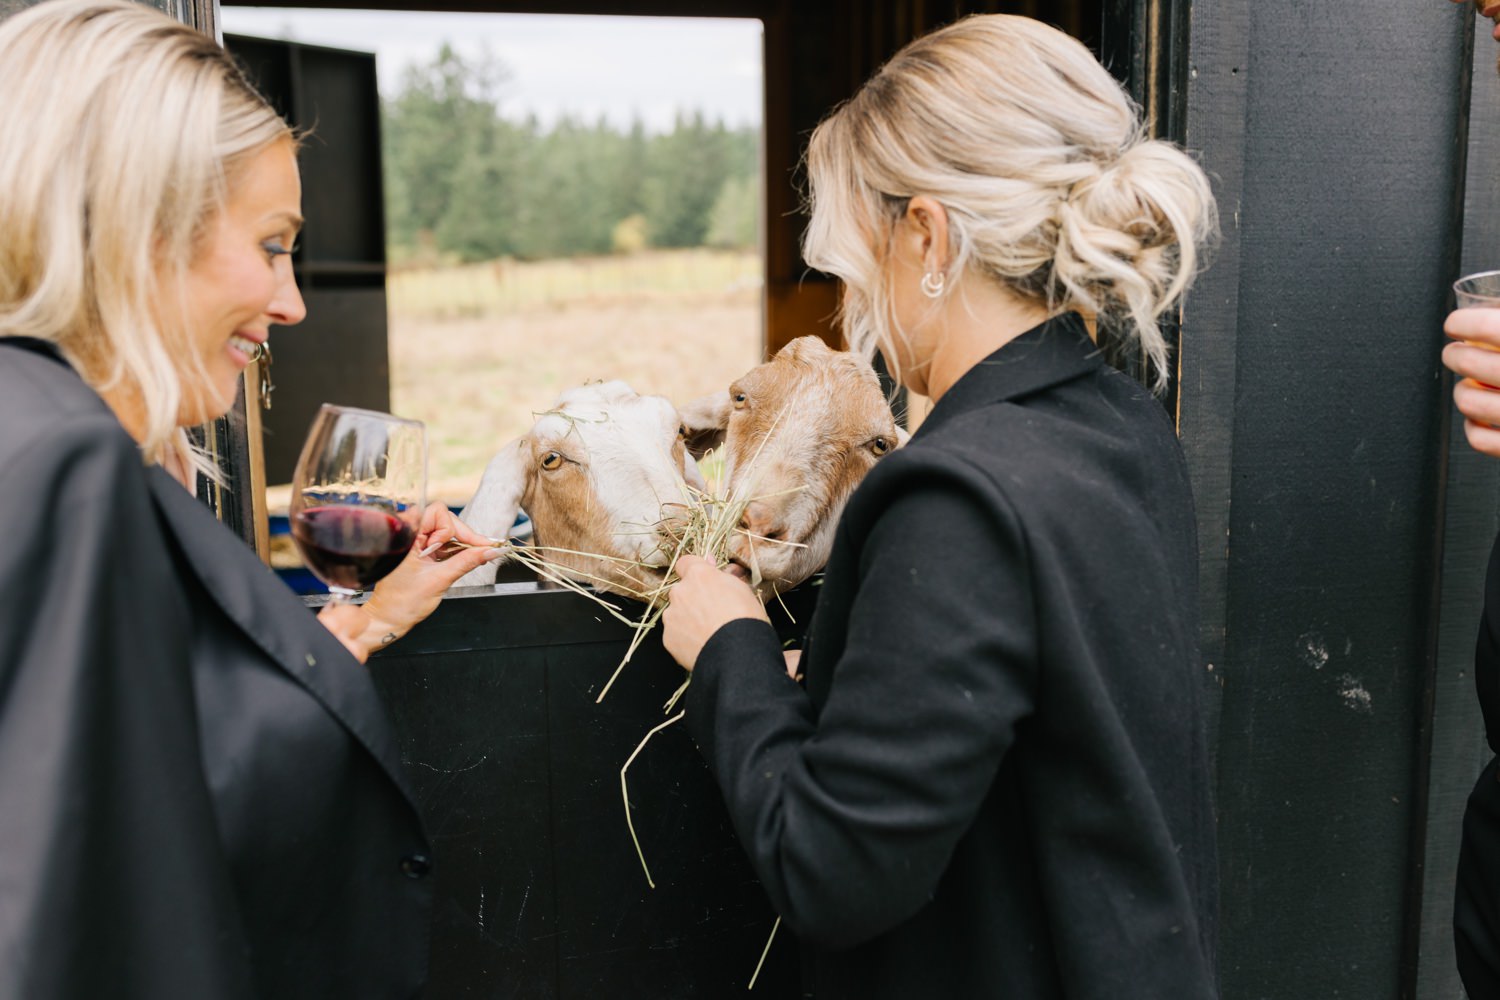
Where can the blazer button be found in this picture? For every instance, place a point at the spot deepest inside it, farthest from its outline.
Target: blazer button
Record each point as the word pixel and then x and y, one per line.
pixel 416 865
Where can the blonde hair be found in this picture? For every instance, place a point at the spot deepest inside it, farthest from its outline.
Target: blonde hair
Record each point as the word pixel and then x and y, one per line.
pixel 122 131
pixel 1039 159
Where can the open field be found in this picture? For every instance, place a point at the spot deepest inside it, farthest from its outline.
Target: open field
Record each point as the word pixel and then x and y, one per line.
pixel 475 351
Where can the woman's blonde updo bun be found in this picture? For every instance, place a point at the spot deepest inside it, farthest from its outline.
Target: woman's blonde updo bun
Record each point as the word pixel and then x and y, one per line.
pixel 1039 159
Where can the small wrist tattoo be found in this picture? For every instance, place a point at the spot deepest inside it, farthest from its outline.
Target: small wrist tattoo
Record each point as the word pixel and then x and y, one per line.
pixel 388 638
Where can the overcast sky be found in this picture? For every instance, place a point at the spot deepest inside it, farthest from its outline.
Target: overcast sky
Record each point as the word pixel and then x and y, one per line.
pixel 620 67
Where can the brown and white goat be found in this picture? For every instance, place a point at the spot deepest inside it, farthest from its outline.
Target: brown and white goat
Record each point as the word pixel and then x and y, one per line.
pixel 593 474
pixel 799 432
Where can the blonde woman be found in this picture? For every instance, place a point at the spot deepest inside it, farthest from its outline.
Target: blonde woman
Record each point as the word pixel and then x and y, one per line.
pixel 199 793
pixel 995 781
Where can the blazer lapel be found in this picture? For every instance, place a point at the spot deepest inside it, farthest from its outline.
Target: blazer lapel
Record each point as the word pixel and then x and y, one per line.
pixel 277 622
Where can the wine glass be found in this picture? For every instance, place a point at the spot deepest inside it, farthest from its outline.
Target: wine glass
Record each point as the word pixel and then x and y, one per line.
pixel 357 496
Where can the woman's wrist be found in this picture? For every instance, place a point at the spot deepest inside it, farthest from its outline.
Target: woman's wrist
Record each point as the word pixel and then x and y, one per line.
pixel 362 629
pixel 379 629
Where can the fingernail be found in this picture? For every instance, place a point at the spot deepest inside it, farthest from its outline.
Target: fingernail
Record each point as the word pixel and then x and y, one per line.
pixel 493 554
pixel 430 549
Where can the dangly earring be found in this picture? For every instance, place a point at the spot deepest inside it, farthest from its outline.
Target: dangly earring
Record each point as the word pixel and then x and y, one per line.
pixel 932 284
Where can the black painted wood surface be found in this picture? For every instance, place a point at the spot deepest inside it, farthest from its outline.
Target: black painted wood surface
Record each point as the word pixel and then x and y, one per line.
pixel 1313 413
pixel 540 894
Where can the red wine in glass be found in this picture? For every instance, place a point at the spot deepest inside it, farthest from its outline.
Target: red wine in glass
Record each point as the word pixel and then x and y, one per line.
pixel 357 496
pixel 351 547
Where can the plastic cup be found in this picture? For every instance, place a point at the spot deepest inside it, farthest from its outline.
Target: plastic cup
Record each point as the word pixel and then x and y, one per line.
pixel 1478 291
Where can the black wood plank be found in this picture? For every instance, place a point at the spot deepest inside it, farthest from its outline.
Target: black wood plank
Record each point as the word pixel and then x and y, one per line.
pixel 540 892
pixel 1319 551
pixel 474 737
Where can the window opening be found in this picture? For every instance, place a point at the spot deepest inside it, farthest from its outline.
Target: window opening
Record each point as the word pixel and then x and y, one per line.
pixel 565 199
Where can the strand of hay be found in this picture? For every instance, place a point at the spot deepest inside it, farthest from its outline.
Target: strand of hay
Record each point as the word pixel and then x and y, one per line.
pixel 625 794
pixel 763 953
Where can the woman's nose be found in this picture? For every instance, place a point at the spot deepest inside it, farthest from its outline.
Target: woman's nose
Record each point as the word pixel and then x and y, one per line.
pixel 286 307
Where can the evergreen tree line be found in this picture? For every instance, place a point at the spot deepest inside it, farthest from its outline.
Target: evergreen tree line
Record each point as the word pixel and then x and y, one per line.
pixel 461 180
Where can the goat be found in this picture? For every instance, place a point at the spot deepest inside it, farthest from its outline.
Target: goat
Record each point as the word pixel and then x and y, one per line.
pixel 799 432
pixel 593 474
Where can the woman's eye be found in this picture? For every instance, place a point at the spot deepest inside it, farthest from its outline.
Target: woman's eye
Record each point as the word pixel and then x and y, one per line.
pixel 880 445
pixel 551 460
pixel 275 248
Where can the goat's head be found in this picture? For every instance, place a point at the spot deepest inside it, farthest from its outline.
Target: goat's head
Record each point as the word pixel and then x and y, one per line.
pixel 593 474
pixel 799 433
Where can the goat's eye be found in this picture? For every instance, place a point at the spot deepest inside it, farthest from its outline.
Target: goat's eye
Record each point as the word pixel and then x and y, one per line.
pixel 880 445
pixel 740 399
pixel 682 430
pixel 551 460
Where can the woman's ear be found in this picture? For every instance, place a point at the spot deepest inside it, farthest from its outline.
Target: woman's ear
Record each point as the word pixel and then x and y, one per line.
pixel 927 228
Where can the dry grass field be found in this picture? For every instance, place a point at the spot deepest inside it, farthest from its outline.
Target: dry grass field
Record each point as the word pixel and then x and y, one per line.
pixel 475 351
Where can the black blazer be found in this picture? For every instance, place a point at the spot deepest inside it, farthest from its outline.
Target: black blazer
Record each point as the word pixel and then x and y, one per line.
pixel 199 794
pixel 996 782
pixel 1476 901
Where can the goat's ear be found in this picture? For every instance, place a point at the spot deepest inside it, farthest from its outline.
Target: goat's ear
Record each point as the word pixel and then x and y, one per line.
pixel 705 419
pixel 493 509
pixel 692 474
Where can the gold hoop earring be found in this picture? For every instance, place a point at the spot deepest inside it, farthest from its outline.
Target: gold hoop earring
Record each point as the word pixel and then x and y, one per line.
pixel 932 284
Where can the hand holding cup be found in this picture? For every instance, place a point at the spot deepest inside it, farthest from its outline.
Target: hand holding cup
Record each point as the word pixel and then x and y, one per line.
pixel 1475 358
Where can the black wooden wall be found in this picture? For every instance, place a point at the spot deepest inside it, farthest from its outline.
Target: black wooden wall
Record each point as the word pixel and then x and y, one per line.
pixel 1315 413
pixel 540 894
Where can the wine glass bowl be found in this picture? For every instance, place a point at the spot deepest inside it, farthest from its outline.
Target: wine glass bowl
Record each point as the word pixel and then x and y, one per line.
pixel 357 496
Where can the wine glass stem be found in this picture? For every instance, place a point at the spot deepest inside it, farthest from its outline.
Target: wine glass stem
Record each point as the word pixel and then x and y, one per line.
pixel 341 595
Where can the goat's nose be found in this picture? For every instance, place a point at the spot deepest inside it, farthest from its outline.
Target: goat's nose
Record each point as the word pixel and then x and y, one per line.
pixel 759 519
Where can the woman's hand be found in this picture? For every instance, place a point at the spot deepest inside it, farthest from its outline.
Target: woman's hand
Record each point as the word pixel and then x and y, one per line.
pixel 704 600
pixel 1488 9
pixel 1475 359
pixel 412 590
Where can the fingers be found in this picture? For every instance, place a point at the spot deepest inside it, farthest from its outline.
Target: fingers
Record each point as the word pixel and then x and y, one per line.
pixel 1483 438
pixel 440 525
pixel 1476 325
pixel 434 515
pixel 675 638
pixel 1470 362
pixel 429 543
pixel 461 562
pixel 1479 403
pixel 464 533
pixel 690 565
